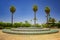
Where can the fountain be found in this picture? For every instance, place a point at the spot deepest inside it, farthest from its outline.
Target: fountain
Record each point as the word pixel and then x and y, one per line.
pixel 30 30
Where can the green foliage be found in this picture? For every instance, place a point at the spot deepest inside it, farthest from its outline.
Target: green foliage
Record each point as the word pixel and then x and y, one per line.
pixel 38 25
pixel 52 20
pixel 7 27
pixel 47 10
pixel 58 24
pixel 27 24
pixel 15 25
pixel 44 25
pixel 4 25
pixel 18 24
pixel 35 8
pixel 12 9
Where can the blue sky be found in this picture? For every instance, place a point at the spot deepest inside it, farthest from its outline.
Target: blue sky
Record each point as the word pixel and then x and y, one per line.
pixel 24 10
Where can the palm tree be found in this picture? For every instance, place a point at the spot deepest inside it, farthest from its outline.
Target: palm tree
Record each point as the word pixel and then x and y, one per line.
pixel 12 10
pixel 47 10
pixel 35 8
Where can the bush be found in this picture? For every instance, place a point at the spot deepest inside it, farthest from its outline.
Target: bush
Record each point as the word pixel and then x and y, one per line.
pixel 58 25
pixel 7 27
pixel 38 25
pixel 26 25
pixel 44 25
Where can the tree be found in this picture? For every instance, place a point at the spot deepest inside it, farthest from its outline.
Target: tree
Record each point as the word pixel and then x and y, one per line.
pixel 35 8
pixel 52 21
pixel 58 21
pixel 26 24
pixel 12 10
pixel 58 24
pixel 47 10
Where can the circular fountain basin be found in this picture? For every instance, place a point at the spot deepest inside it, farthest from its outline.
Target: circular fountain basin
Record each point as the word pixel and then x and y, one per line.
pixel 32 30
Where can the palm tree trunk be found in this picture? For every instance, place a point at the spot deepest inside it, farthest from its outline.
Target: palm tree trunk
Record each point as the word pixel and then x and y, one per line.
pixel 12 20
pixel 47 20
pixel 35 19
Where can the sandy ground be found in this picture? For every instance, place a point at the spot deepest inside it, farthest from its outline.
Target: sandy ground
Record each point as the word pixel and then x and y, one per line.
pixel 5 36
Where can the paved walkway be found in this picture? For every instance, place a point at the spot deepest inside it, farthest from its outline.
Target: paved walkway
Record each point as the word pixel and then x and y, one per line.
pixel 5 36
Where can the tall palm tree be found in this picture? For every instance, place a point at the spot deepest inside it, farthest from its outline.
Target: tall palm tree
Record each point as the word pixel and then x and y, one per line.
pixel 47 10
pixel 12 10
pixel 35 8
